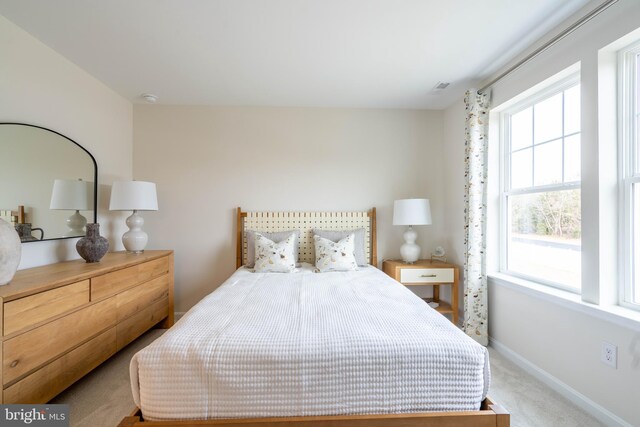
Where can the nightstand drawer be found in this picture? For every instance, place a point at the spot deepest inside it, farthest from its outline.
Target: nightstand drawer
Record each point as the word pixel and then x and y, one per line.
pixel 426 275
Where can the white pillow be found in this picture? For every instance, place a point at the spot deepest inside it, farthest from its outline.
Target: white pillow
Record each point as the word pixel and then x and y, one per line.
pixel 335 256
pixel 358 242
pixel 276 236
pixel 275 257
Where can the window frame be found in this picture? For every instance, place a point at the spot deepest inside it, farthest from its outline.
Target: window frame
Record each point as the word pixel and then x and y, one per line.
pixel 628 166
pixel 505 176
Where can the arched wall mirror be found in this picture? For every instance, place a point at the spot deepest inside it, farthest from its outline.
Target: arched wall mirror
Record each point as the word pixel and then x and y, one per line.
pixel 48 183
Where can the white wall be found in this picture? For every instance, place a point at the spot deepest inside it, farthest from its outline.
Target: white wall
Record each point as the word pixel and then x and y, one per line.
pixel 207 161
pixel 39 86
pixel 563 342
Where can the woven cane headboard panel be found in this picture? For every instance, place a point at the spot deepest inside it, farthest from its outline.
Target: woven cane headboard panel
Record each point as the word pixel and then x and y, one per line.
pixel 305 222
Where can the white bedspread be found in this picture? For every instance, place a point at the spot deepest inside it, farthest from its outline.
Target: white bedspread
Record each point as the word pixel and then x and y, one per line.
pixel 305 343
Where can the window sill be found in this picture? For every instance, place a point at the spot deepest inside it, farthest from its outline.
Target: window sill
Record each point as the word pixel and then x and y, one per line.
pixel 615 314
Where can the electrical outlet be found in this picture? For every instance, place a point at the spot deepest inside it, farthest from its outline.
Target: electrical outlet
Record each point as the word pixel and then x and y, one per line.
pixel 609 354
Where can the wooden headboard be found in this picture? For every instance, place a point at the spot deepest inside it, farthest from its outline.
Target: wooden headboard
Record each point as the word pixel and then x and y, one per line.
pixel 305 222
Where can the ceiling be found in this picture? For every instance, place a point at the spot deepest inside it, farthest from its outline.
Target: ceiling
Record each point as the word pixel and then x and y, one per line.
pixel 320 53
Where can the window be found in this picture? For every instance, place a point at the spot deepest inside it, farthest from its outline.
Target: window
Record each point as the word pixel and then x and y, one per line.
pixel 629 62
pixel 540 197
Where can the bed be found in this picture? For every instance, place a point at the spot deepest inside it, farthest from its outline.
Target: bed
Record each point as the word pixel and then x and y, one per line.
pixel 312 349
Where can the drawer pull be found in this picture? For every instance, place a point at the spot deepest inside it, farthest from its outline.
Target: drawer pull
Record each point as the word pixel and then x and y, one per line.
pixel 428 275
pixel 14 363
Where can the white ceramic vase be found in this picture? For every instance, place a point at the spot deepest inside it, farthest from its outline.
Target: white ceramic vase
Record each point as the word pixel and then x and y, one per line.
pixel 10 252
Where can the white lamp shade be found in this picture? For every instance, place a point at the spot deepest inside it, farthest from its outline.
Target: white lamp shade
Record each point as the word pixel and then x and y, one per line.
pixel 411 212
pixel 133 196
pixel 72 194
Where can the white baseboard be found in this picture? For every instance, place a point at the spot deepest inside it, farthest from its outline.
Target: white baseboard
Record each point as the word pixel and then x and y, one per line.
pixel 602 414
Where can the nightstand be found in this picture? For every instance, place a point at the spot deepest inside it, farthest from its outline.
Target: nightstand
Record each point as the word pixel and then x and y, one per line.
pixel 429 273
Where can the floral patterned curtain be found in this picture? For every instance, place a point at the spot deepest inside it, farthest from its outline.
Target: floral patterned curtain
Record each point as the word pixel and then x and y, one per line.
pixel 475 200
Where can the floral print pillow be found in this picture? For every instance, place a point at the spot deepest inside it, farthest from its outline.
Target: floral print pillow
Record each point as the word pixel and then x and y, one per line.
pixel 335 256
pixel 275 257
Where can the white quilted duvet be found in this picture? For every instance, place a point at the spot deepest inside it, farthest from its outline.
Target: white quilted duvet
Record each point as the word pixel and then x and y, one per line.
pixel 305 343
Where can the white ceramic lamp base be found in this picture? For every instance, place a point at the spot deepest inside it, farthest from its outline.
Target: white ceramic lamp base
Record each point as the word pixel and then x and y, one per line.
pixel 76 224
pixel 410 251
pixel 135 240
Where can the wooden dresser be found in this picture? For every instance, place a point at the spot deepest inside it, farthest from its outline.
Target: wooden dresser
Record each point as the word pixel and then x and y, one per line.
pixel 60 321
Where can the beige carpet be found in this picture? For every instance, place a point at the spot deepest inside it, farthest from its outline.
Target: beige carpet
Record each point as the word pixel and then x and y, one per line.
pixel 103 398
pixel 530 402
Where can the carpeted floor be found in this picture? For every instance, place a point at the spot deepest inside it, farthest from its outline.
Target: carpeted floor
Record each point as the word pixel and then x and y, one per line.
pixel 103 398
pixel 530 402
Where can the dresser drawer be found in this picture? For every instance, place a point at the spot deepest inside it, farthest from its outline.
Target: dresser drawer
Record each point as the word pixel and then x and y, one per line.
pixel 38 346
pixel 28 311
pixel 142 296
pixel 137 324
pixel 117 281
pixel 426 275
pixel 51 379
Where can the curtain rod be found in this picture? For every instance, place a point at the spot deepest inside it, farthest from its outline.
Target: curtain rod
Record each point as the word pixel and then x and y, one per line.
pixel 579 23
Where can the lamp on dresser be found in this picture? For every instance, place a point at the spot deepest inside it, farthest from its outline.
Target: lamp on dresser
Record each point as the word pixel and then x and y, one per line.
pixel 411 212
pixel 134 196
pixel 73 195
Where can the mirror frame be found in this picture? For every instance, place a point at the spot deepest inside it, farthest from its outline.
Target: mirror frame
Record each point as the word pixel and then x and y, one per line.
pixel 95 176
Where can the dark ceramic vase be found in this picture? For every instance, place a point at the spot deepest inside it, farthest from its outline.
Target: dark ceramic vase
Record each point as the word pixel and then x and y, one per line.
pixel 92 247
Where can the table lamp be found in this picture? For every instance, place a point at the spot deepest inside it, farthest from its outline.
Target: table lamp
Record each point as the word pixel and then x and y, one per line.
pixel 134 196
pixel 411 212
pixel 74 195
